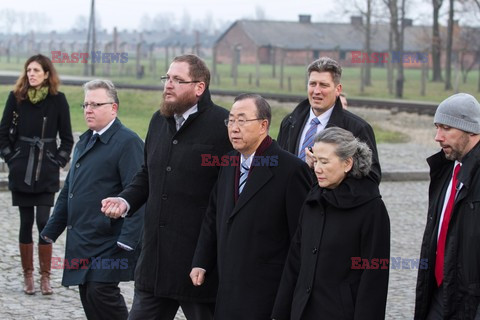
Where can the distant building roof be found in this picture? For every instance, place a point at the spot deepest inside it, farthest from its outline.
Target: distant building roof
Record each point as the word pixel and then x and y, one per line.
pixel 294 35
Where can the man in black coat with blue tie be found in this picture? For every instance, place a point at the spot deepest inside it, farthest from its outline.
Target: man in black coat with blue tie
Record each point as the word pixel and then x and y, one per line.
pixel 100 252
pixel 252 216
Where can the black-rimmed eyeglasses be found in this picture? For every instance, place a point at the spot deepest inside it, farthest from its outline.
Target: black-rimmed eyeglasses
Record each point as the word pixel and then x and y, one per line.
pixel 166 79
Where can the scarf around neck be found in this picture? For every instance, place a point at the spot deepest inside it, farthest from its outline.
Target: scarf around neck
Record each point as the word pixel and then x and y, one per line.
pixel 37 95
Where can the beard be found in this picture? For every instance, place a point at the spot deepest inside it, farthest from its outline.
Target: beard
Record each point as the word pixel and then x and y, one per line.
pixel 458 149
pixel 182 104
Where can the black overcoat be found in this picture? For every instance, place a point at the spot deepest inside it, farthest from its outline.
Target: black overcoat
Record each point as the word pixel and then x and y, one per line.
pixel 461 283
pixel 292 126
pixel 321 280
pixel 96 173
pixel 30 122
pixel 176 187
pixel 249 239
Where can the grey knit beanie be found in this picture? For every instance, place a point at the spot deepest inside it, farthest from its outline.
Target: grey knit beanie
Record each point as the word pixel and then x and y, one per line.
pixel 461 111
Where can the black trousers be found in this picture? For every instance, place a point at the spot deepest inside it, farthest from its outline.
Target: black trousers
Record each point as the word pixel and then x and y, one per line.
pixel 148 307
pixel 103 301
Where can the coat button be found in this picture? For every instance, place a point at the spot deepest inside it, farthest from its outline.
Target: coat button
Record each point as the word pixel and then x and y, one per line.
pixel 175 141
pixel 69 227
pixel 168 169
pixel 70 195
pixel 77 165
pixel 314 251
pixel 164 197
pixel 309 289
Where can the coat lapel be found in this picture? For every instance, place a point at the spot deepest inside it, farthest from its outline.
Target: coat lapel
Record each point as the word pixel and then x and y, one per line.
pixel 255 182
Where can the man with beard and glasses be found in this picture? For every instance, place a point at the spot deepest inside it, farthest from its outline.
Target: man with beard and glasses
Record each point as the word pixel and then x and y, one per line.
pixel 450 287
pixel 176 188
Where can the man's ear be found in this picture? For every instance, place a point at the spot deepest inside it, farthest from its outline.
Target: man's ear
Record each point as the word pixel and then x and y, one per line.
pixel 199 88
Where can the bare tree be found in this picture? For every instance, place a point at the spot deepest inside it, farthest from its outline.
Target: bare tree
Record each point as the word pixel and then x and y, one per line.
pixel 186 23
pixel 448 67
pixel 397 26
pixel 38 21
pixel 146 23
pixel 9 18
pixel 364 8
pixel 367 74
pixel 469 50
pixel 436 42
pixel 81 23
pixel 163 22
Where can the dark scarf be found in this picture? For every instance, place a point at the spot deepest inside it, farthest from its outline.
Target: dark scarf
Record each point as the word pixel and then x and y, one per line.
pixel 258 153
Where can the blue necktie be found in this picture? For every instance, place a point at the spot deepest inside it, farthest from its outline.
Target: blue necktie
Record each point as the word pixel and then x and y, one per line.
pixel 309 136
pixel 92 141
pixel 243 176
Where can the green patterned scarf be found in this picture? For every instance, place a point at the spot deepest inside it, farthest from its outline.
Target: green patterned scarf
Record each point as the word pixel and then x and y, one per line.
pixel 35 96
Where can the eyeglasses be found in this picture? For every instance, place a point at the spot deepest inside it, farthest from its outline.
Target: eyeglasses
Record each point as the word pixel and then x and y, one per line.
pixel 240 122
pixel 166 79
pixel 94 105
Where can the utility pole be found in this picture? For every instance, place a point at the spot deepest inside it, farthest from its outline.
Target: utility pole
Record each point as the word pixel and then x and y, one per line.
pixel 90 47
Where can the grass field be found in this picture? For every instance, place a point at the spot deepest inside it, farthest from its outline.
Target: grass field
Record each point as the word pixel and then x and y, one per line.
pixel 137 107
pixel 125 73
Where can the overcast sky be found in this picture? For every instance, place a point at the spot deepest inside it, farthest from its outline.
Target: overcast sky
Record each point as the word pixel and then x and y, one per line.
pixel 128 14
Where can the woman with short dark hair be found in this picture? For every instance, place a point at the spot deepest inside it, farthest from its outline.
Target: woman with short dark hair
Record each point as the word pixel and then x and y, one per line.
pixel 34 114
pixel 337 266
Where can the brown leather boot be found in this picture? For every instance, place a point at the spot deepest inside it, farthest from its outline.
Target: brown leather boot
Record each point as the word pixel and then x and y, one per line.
pixel 26 254
pixel 45 258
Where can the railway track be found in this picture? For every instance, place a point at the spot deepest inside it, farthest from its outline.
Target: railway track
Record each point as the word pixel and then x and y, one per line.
pixel 393 105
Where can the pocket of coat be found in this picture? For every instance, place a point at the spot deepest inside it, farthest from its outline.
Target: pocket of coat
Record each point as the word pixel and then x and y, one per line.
pixel 51 157
pixel 347 300
pixel 15 155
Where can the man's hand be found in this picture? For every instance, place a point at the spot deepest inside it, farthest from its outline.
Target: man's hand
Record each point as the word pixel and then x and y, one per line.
pixel 113 207
pixel 309 157
pixel 198 276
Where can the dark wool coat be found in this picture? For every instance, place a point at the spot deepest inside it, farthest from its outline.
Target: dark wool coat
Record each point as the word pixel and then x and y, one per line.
pixel 321 279
pixel 30 122
pixel 96 173
pixel 176 187
pixel 461 283
pixel 292 126
pixel 249 239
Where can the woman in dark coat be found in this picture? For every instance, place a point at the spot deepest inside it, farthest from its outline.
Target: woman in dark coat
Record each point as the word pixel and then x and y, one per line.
pixel 34 113
pixel 337 266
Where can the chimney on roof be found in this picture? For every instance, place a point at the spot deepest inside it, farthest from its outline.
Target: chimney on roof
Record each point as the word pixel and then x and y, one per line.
pixel 407 22
pixel 304 18
pixel 356 20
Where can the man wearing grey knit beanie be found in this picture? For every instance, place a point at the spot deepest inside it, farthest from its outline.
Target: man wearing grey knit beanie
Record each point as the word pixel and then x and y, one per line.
pixel 450 287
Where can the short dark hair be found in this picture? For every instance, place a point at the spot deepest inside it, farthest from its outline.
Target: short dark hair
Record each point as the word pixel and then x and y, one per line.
pixel 264 111
pixel 198 70
pixel 347 146
pixel 326 64
pixel 103 84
